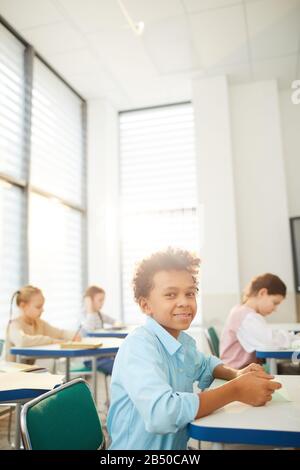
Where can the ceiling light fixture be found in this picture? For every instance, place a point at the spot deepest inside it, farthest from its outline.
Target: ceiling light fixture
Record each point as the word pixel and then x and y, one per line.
pixel 137 27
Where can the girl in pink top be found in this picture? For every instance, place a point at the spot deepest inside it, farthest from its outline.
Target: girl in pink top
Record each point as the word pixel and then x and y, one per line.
pixel 246 329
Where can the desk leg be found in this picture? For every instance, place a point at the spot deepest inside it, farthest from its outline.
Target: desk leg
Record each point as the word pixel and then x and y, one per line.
pixel 272 365
pixel 17 440
pixel 67 369
pixel 94 377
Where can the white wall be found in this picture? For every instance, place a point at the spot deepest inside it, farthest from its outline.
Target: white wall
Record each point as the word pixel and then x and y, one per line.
pixel 243 188
pixel 103 199
pixel 219 272
pixel 290 119
pixel 261 189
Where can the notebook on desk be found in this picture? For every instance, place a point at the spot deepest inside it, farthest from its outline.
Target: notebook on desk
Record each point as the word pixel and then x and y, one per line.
pixel 19 367
pixel 86 343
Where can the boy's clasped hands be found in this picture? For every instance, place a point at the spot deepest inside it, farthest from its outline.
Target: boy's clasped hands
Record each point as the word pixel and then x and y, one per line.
pixel 254 386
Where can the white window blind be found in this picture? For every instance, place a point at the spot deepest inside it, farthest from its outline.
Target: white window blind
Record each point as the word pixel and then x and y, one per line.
pixel 55 259
pixel 11 104
pixel 11 247
pixel 56 143
pixel 55 228
pixel 55 179
pixel 158 188
pixel 11 166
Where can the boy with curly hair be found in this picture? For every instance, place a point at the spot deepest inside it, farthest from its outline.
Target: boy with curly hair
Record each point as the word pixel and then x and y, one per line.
pixel 152 397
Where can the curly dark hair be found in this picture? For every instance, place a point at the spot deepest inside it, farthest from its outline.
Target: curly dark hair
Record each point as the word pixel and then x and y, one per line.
pixel 168 260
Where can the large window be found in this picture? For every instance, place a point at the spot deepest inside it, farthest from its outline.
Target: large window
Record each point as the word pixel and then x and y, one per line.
pixel 158 188
pixel 42 170
pixel 56 144
pixel 56 218
pixel 12 246
pixel 12 170
pixel 12 95
pixel 55 258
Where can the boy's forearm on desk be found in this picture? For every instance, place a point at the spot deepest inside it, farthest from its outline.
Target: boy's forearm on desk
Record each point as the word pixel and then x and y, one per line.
pixel 214 399
pixel 224 372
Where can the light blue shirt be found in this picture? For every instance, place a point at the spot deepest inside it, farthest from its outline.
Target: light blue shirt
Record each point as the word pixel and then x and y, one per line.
pixel 152 399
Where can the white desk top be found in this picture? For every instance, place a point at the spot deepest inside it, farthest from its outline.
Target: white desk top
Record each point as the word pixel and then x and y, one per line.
pixel 103 332
pixel 29 380
pixel 275 421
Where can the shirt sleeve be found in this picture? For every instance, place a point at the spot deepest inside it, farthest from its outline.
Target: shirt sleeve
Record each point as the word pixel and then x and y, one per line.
pixel 20 339
pixel 145 379
pixel 205 368
pixel 57 333
pixel 254 334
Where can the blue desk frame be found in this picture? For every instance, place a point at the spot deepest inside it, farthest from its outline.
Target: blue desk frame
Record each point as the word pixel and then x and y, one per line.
pixel 35 352
pixel 272 355
pixel 106 334
pixel 244 436
pixel 20 394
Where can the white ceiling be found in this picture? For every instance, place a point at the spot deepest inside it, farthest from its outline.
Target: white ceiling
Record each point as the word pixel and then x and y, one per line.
pixel 91 45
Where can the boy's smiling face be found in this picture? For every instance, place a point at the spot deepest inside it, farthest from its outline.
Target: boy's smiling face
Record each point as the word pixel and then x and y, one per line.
pixel 172 300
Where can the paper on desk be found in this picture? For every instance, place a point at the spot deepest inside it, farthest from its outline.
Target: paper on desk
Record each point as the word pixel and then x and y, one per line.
pixel 296 344
pixel 85 343
pixel 15 367
pixel 281 395
pixel 30 380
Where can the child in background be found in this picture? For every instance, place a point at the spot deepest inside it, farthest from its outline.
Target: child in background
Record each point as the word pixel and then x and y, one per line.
pixel 94 298
pixel 28 329
pixel 152 397
pixel 246 329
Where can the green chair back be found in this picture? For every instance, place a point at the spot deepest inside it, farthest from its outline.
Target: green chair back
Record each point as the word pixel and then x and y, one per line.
pixel 65 418
pixel 213 340
pixel 2 341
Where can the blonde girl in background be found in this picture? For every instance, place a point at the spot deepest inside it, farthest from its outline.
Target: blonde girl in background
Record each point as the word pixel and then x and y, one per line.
pixel 28 329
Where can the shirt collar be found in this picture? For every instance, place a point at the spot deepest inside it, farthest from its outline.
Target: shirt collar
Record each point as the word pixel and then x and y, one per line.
pixel 171 344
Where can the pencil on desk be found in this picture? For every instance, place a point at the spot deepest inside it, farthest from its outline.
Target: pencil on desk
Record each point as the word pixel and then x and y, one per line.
pixel 76 332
